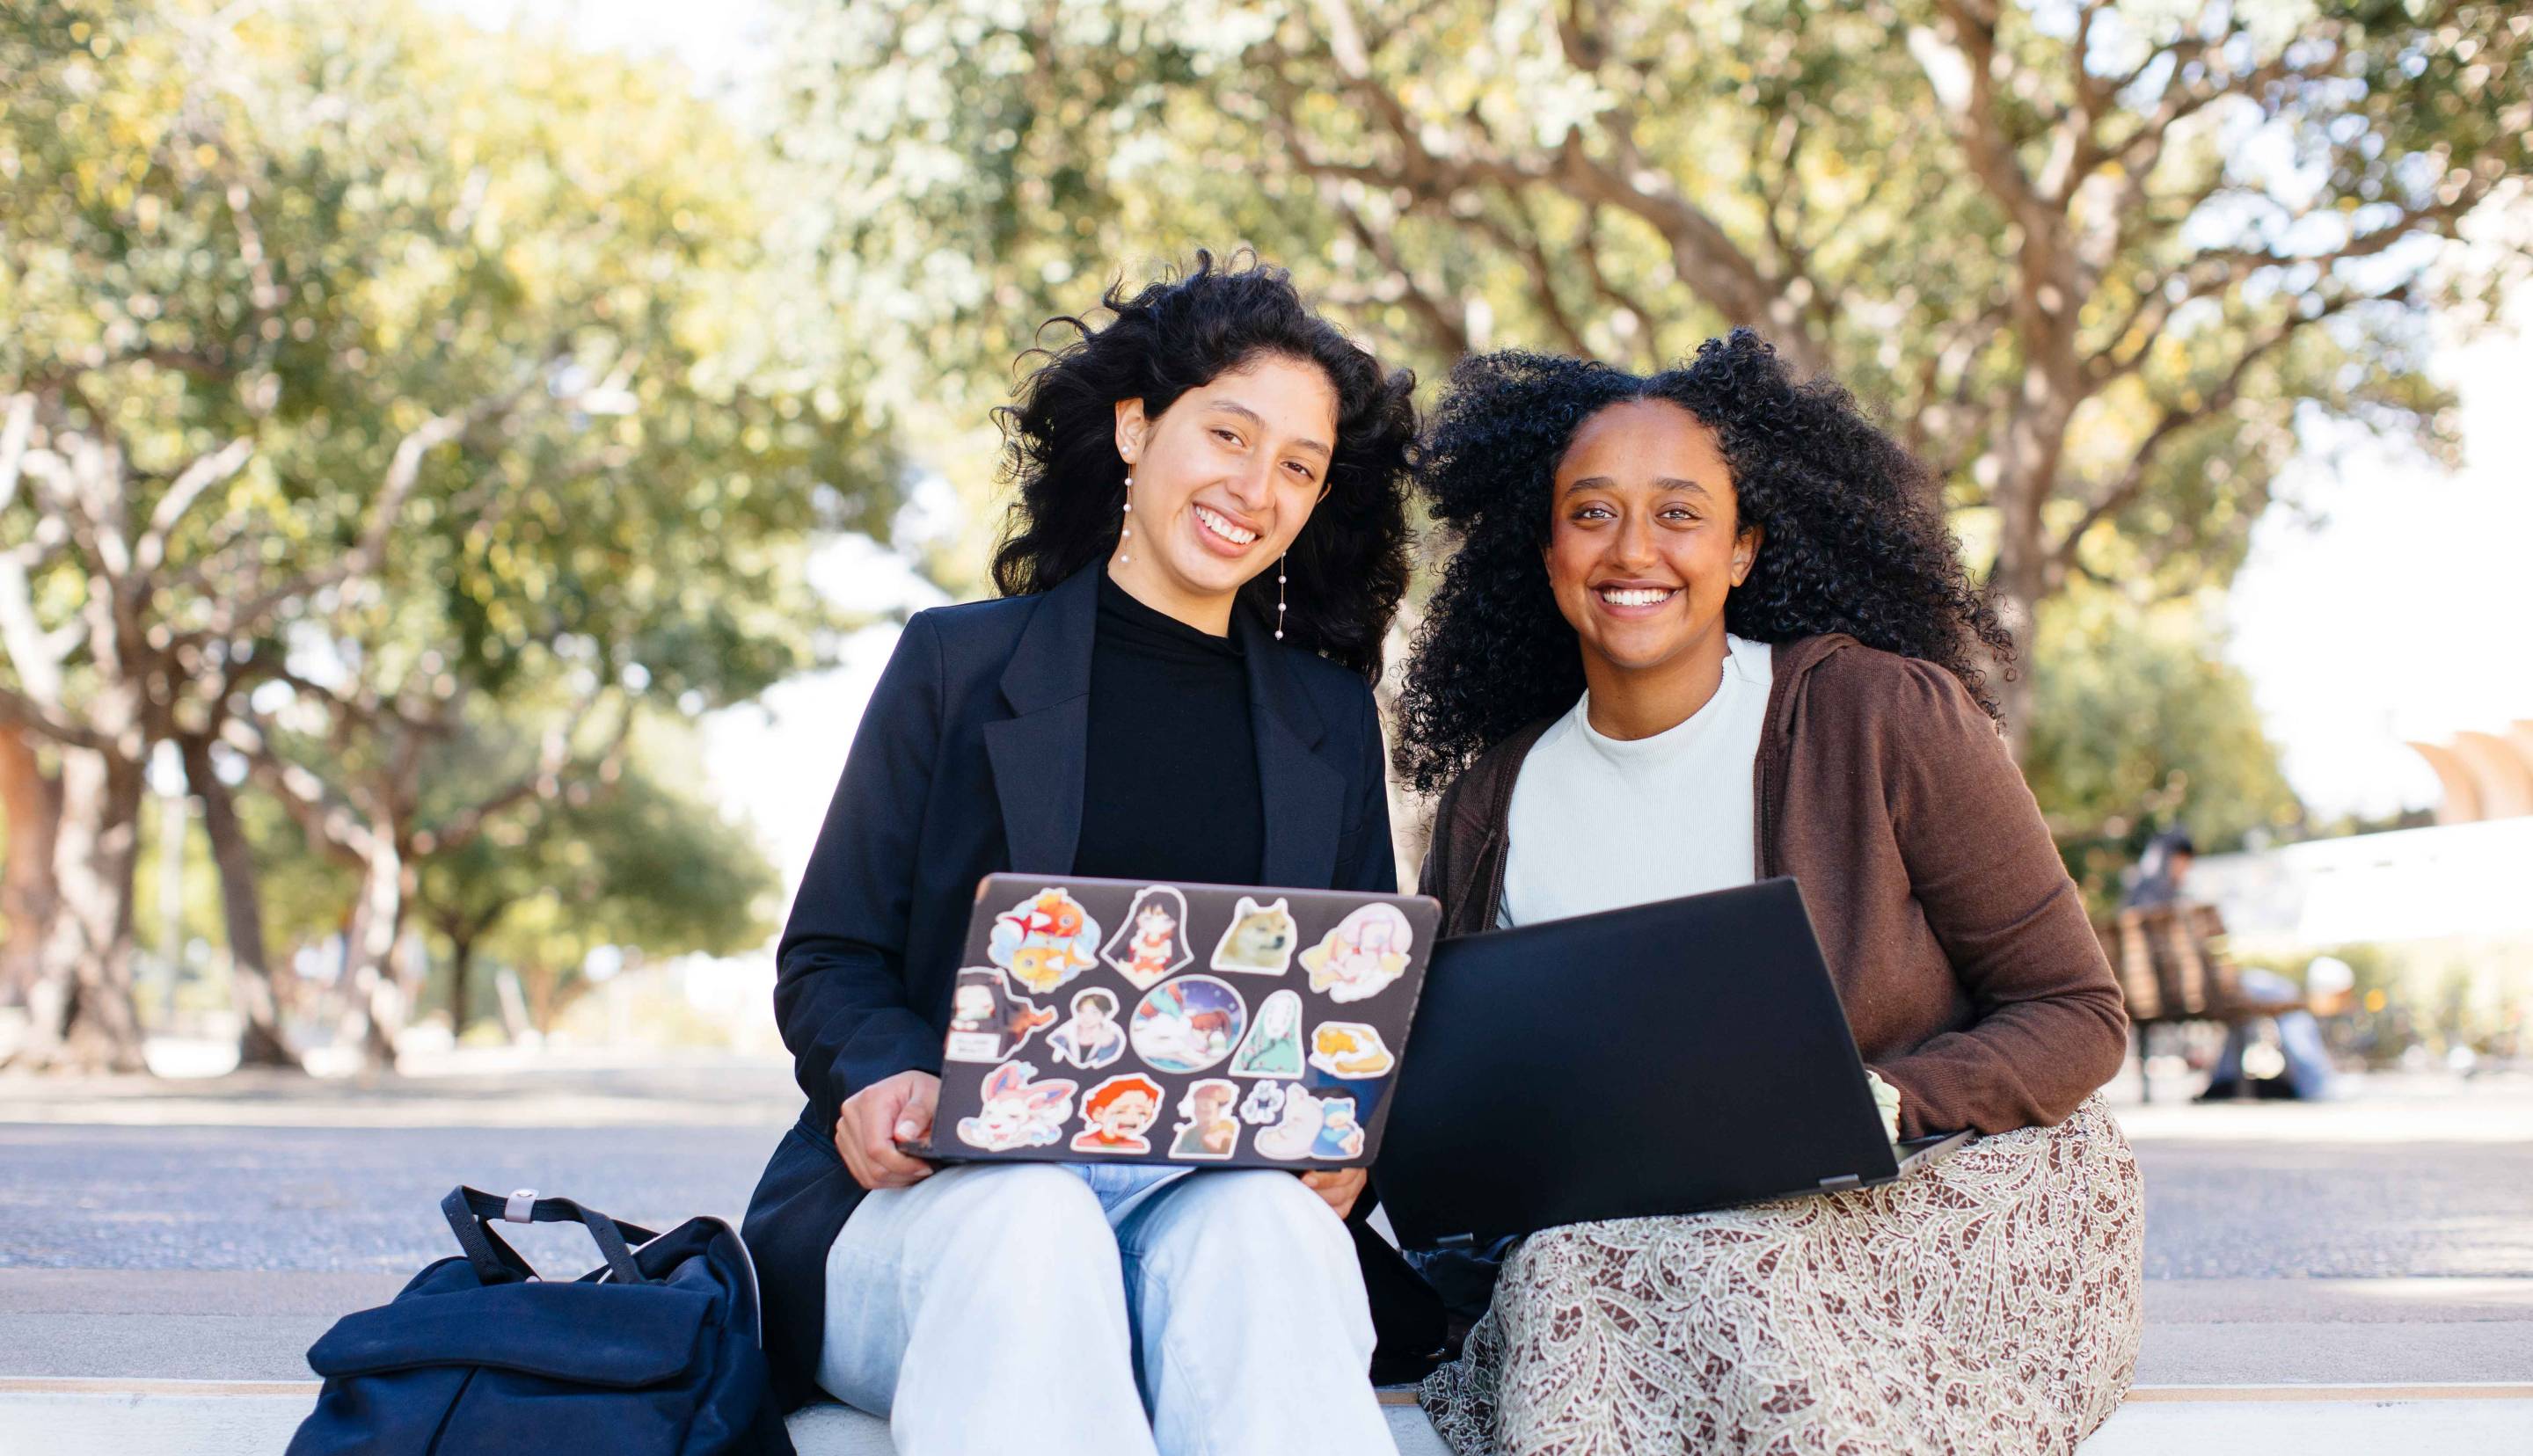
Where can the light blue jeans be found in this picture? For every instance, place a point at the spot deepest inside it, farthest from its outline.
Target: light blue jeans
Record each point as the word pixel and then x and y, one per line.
pixel 1107 1311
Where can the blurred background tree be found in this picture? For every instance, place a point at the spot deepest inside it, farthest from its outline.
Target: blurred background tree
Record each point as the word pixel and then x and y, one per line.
pixel 2099 263
pixel 360 366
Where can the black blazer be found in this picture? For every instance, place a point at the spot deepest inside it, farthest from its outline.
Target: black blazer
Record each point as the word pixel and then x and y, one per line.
pixel 969 760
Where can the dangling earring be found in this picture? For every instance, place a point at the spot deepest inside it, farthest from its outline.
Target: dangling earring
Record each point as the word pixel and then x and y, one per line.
pixel 1126 531
pixel 1279 594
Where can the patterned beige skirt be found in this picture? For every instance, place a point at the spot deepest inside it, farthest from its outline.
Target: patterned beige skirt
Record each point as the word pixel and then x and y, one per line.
pixel 1985 1304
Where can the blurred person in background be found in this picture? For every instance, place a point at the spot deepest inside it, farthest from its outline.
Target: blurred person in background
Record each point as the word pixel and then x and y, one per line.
pixel 2298 1067
pixel 1710 626
pixel 1209 543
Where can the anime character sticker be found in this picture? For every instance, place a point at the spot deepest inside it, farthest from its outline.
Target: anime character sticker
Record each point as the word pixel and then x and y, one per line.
pixel 1274 1044
pixel 1296 1130
pixel 1045 941
pixel 1152 943
pixel 1092 1038
pixel 1362 954
pixel 1264 1105
pixel 988 1021
pixel 1018 1111
pixel 1259 940
pixel 1350 1049
pixel 1339 1136
pixel 1188 1025
pixel 1207 1128
pixel 1117 1113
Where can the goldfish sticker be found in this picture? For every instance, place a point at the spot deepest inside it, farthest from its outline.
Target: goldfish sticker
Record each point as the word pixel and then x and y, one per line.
pixel 1363 955
pixel 1018 1111
pixel 1117 1113
pixel 988 1021
pixel 1045 941
pixel 1350 1049
pixel 1259 940
pixel 1152 945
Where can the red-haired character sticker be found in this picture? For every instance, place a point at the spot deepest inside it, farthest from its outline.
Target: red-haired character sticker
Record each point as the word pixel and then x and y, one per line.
pixel 1117 1113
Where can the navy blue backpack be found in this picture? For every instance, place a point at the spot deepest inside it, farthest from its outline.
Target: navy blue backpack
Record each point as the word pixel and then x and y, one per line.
pixel 657 1353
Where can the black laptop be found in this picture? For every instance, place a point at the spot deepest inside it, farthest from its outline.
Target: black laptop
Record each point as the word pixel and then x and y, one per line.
pixel 1665 1058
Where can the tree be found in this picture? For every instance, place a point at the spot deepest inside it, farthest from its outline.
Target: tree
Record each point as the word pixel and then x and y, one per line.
pixel 2094 258
pixel 2140 726
pixel 355 364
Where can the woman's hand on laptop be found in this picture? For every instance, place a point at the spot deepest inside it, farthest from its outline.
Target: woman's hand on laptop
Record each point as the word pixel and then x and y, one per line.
pixel 1340 1187
pixel 875 1120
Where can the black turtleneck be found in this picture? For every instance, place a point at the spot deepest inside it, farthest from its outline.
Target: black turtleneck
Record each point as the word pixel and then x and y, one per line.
pixel 1170 792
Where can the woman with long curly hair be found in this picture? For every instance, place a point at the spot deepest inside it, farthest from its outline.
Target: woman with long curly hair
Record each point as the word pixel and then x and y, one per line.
pixel 1208 543
pixel 1706 627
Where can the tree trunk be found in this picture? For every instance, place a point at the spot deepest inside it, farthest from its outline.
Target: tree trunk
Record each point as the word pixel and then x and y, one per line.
pixel 461 967
pixel 252 983
pixel 33 802
pixel 82 1015
pixel 2027 463
pixel 369 983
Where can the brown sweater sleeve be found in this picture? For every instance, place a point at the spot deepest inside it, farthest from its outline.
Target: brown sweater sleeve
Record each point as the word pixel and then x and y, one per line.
pixel 1982 866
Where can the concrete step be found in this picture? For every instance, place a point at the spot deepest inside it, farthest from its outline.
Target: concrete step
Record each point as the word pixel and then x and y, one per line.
pixel 68 1416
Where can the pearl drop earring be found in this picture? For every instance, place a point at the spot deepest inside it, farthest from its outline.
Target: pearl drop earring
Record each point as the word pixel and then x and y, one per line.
pixel 1279 594
pixel 1126 531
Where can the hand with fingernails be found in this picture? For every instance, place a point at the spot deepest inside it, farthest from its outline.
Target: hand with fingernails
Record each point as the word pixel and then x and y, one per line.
pixel 875 1120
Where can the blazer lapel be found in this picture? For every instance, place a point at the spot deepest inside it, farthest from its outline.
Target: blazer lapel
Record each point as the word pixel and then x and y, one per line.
pixel 1302 797
pixel 1040 753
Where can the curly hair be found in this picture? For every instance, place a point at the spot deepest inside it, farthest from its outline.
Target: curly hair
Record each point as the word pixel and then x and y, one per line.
pixel 1348 566
pixel 1855 541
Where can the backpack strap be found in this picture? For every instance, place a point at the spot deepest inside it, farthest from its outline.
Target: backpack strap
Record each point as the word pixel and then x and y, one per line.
pixel 496 1262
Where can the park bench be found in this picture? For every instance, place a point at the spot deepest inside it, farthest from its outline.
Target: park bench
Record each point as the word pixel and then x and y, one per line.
pixel 2173 968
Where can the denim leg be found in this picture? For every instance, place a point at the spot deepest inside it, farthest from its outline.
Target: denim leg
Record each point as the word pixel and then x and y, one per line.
pixel 1253 1331
pixel 983 1310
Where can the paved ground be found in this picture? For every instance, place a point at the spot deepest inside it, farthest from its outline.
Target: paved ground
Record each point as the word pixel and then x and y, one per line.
pixel 2369 1263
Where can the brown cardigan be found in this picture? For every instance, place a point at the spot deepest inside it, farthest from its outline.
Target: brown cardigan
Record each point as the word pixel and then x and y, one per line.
pixel 1960 947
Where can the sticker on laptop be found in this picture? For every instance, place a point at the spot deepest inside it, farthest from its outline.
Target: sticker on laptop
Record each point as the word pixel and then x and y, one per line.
pixel 1093 1038
pixel 1152 945
pixel 1018 1110
pixel 1045 941
pixel 1264 1105
pixel 1363 955
pixel 1188 1025
pixel 1350 1049
pixel 1274 1044
pixel 1340 1136
pixel 1117 1113
pixel 1259 940
pixel 1207 1126
pixel 988 1019
pixel 1308 1127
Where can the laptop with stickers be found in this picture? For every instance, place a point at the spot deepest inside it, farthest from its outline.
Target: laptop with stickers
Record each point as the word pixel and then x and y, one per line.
pixel 1665 1058
pixel 1202 1025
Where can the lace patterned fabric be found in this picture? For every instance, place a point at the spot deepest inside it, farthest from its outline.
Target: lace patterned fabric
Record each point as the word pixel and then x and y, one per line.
pixel 1988 1303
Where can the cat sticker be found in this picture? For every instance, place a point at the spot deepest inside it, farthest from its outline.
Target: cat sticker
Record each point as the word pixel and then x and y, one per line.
pixel 1117 1113
pixel 1308 1127
pixel 1207 1128
pixel 1274 1044
pixel 1045 941
pixel 1152 946
pixel 1018 1111
pixel 1362 955
pixel 1339 1136
pixel 1092 1038
pixel 1350 1049
pixel 988 1021
pixel 1188 1025
pixel 1260 939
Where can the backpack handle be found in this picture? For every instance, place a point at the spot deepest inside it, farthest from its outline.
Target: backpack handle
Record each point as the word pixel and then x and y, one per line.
pixel 469 1211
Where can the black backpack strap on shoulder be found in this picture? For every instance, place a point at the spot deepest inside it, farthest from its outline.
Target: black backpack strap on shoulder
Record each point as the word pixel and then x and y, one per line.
pixel 469 1211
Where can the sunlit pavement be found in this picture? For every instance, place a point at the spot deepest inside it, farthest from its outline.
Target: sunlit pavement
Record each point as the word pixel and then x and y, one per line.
pixel 2352 1276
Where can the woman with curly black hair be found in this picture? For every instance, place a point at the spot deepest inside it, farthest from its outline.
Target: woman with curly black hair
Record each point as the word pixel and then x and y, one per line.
pixel 1208 544
pixel 1707 627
